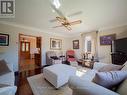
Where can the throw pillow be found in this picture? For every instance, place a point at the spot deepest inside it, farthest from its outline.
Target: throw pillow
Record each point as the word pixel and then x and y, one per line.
pixel 109 79
pixel 110 67
pixel 3 67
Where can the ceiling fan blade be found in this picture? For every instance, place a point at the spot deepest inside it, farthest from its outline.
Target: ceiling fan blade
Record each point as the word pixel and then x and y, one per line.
pixel 75 14
pixel 67 27
pixel 60 19
pixel 57 26
pixel 75 22
pixel 57 11
pixel 53 20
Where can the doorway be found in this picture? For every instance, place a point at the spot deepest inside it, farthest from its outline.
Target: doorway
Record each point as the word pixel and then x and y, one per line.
pixel 29 52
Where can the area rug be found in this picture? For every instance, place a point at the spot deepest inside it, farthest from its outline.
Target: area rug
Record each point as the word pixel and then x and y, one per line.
pixel 40 86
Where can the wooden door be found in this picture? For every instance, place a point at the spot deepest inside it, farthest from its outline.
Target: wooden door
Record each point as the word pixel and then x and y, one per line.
pixel 38 43
pixel 38 55
pixel 25 50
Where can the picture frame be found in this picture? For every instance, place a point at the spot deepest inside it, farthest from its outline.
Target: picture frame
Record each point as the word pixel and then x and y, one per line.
pixel 107 39
pixel 4 39
pixel 55 44
pixel 75 44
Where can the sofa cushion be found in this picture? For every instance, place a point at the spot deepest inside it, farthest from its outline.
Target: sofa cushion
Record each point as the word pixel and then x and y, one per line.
pixel 109 79
pixel 84 87
pixel 122 90
pixel 8 90
pixel 89 75
pixel 3 67
pixel 98 65
pixel 8 79
pixel 111 67
pixel 3 85
pixel 125 66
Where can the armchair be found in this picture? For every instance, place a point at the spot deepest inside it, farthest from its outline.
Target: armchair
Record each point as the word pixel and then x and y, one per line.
pixel 71 58
pixel 51 58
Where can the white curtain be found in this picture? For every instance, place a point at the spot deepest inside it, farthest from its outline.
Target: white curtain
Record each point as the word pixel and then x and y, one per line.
pixel 94 46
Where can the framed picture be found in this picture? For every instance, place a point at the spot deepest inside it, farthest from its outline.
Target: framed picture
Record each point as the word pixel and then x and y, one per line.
pixel 55 44
pixel 4 39
pixel 75 44
pixel 107 40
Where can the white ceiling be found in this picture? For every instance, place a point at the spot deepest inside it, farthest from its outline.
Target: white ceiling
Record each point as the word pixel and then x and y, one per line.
pixel 96 14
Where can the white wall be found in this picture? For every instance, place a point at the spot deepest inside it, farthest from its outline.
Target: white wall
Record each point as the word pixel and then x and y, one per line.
pixel 77 51
pixel 10 53
pixel 104 52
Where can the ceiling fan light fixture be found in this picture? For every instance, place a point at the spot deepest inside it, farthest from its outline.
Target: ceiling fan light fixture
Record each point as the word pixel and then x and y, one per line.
pixel 56 3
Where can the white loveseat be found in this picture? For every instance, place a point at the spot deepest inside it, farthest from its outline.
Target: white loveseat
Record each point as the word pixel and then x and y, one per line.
pixel 85 86
pixel 8 79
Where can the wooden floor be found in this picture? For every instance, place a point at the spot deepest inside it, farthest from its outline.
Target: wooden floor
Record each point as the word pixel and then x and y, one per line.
pixel 27 64
pixel 22 83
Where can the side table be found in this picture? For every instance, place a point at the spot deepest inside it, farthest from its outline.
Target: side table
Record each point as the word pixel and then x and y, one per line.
pixel 79 61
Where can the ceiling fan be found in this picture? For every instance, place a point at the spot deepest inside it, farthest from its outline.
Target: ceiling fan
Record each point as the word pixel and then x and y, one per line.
pixel 63 20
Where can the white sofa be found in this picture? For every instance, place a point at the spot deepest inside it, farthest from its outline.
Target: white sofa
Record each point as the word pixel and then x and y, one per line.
pixel 51 61
pixel 58 74
pixel 9 80
pixel 85 86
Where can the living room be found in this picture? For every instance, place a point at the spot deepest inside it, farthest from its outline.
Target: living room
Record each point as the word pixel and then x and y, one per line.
pixel 92 19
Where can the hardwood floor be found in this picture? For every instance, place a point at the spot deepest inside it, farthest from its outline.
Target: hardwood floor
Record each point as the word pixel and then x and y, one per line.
pixel 22 83
pixel 27 64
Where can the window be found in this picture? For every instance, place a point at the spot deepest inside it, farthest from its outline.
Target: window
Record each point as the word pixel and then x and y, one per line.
pixel 25 46
pixel 88 44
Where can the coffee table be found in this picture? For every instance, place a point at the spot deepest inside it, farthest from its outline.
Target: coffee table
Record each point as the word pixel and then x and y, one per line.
pixel 86 63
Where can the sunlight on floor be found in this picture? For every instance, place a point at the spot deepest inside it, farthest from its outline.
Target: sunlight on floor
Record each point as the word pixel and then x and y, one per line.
pixel 80 73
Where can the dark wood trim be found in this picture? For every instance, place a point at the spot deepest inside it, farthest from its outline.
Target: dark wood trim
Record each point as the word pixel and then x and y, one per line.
pixel 28 35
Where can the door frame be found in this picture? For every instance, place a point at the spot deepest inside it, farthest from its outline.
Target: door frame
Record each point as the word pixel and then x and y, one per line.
pixel 19 46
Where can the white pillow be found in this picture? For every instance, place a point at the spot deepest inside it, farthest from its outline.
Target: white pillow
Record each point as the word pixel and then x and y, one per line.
pixel 109 79
pixel 110 67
